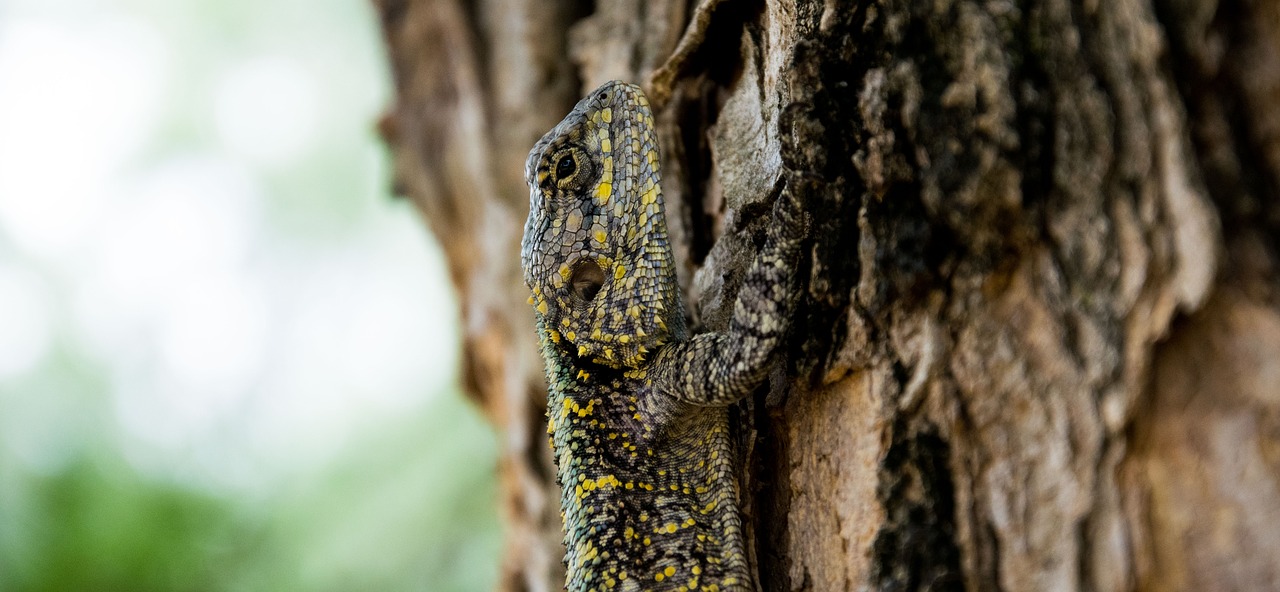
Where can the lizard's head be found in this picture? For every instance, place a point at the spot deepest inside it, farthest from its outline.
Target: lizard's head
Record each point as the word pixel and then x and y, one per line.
pixel 595 251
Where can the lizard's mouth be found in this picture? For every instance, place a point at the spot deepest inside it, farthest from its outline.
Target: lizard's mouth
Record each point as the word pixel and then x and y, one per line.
pixel 586 280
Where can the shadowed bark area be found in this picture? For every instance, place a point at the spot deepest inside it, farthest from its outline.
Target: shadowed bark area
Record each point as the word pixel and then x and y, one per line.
pixel 1038 344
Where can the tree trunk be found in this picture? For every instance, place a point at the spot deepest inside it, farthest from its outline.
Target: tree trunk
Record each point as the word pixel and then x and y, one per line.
pixel 1038 344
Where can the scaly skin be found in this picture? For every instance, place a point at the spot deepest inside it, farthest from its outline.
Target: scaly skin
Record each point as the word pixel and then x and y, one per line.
pixel 637 409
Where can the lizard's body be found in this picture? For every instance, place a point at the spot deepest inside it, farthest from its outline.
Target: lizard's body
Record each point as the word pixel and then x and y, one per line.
pixel 637 409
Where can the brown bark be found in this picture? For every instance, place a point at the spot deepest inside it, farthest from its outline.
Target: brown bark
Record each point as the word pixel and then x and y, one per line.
pixel 1039 341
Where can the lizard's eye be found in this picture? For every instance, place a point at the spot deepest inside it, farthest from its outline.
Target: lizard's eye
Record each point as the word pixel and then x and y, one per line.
pixel 566 165
pixel 571 169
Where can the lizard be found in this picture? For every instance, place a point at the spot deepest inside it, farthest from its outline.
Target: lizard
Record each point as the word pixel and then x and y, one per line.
pixel 637 409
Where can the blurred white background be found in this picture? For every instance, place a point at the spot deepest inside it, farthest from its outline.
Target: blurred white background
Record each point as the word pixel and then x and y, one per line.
pixel 204 285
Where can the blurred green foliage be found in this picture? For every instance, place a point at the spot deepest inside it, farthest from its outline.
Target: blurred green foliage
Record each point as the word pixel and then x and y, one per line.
pixel 409 507
pixel 89 504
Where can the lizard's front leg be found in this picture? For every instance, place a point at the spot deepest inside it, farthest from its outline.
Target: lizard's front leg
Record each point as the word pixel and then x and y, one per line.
pixel 720 368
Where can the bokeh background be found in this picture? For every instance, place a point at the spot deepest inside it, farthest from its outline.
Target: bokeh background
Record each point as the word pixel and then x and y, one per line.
pixel 227 354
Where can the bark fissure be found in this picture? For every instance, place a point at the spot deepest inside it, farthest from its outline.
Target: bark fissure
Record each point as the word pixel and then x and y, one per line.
pixel 917 549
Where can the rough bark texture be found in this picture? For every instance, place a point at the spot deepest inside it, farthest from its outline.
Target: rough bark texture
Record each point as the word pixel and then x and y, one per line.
pixel 1039 344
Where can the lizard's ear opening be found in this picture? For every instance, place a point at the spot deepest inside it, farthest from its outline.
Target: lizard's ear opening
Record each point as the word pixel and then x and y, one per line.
pixel 586 280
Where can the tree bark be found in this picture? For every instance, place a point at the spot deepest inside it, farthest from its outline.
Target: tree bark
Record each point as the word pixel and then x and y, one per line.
pixel 1038 343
